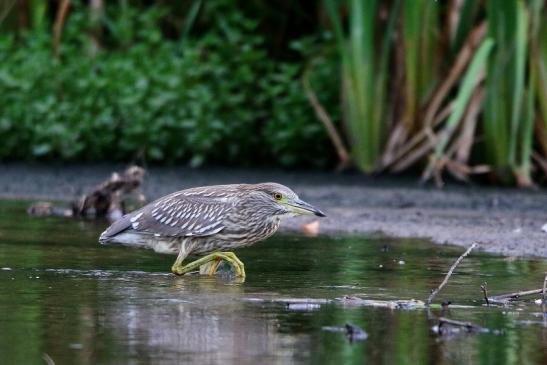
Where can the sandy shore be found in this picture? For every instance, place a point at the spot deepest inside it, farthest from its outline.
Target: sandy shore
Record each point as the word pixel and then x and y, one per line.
pixel 505 221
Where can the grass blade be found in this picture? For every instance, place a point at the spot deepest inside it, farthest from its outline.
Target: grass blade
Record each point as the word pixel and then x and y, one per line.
pixel 467 87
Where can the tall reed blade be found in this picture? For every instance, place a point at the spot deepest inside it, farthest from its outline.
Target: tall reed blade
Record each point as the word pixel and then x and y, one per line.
pixel 364 76
pixel 420 35
pixel 466 89
pixel 538 54
pixel 508 24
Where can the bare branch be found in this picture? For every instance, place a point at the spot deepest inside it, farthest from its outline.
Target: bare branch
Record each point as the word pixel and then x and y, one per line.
pixel 485 293
pixel 504 298
pixel 60 18
pixel 462 59
pixel 322 115
pixel 436 291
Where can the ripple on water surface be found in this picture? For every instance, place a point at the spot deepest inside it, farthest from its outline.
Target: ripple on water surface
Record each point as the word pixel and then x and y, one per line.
pixel 65 295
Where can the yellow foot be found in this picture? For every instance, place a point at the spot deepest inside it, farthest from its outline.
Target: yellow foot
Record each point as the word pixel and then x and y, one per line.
pixel 212 261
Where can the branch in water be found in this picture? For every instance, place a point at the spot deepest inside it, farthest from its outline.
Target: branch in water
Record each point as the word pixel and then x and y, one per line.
pixel 504 298
pixel 436 291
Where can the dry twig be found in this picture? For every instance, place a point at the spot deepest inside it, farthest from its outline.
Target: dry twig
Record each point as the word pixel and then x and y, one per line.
pixel 60 18
pixel 453 16
pixel 469 125
pixel 431 112
pixel 462 59
pixel 424 141
pixel 323 116
pixel 543 294
pixel 541 161
pixel 458 169
pixel 504 298
pixel 485 293
pixel 456 263
pixel 48 359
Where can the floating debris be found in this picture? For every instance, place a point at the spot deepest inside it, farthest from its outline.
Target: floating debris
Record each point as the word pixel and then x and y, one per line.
pixel 289 300
pixel 392 304
pixel 311 229
pixel 303 307
pixel 506 298
pixel 352 332
pixel 410 304
pixel 105 200
pixel 451 327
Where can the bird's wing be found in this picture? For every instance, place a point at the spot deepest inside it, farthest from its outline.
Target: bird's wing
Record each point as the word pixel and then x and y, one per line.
pixel 177 215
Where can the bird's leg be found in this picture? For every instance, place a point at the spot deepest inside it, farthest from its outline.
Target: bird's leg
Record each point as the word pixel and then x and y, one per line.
pixel 229 257
pixel 178 262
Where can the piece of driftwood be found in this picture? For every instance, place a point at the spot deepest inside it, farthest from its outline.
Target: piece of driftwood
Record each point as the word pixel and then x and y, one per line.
pixel 468 326
pixel 450 327
pixel 352 332
pixel 105 200
pixel 505 298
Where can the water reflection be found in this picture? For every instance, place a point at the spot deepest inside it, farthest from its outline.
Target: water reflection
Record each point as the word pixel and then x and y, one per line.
pixel 66 296
pixel 194 318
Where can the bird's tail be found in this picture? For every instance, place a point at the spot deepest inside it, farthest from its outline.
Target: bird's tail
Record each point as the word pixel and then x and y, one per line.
pixel 105 239
pixel 110 235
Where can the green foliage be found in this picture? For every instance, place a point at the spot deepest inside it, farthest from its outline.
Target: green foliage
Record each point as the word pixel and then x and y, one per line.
pixel 420 103
pixel 467 87
pixel 364 74
pixel 420 25
pixel 195 82
pixel 216 98
pixel 289 120
pixel 504 124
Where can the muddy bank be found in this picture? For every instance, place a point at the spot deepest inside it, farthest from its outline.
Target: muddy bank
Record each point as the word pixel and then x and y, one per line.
pixel 505 221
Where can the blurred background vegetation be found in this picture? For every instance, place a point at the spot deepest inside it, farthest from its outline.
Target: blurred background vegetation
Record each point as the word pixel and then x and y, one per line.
pixel 455 87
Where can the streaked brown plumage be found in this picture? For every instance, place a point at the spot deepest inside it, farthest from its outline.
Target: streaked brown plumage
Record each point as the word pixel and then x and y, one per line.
pixel 208 219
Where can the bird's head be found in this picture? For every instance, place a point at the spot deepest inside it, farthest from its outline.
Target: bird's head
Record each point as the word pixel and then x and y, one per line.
pixel 282 201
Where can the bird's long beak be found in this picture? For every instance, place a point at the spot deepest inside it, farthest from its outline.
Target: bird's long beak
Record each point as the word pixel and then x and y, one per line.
pixel 301 207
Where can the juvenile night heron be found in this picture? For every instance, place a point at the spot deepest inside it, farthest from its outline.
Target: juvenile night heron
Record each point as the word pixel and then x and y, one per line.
pixel 210 221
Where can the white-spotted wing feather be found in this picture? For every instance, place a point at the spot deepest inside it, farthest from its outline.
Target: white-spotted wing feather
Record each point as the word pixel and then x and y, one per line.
pixel 180 215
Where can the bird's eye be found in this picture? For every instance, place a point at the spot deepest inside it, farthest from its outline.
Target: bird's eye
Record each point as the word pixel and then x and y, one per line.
pixel 277 196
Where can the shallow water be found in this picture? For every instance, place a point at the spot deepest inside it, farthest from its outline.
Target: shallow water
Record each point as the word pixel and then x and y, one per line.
pixel 64 295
